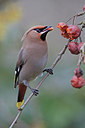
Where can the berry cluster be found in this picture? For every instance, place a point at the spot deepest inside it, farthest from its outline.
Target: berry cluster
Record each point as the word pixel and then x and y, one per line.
pixel 75 47
pixel 73 33
pixel 70 32
pixel 78 80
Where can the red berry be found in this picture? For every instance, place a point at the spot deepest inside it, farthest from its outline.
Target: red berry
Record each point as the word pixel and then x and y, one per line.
pixel 80 45
pixel 73 47
pixel 84 8
pixel 73 31
pixel 78 72
pixel 81 81
pixel 65 35
pixel 74 81
pixel 62 26
pixel 78 82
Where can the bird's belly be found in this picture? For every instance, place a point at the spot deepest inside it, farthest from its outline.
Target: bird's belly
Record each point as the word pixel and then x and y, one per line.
pixel 40 63
pixel 32 69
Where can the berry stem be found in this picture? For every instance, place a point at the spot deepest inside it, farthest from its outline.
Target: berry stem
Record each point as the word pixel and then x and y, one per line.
pixel 79 60
pixel 74 17
pixel 80 38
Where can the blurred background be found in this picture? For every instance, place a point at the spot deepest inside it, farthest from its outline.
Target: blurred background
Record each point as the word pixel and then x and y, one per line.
pixel 58 105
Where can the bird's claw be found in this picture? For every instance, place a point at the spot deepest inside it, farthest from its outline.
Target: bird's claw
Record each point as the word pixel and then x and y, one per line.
pixel 35 91
pixel 49 70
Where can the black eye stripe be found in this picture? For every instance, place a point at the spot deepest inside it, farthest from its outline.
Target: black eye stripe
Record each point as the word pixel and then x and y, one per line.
pixel 43 28
pixel 40 29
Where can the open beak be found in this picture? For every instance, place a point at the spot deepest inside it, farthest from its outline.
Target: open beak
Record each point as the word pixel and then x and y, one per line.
pixel 48 28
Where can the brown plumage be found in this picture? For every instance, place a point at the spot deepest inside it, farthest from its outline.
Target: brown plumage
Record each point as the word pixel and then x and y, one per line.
pixel 32 59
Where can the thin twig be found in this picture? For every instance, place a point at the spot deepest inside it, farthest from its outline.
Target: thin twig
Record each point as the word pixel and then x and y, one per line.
pixel 74 20
pixel 80 38
pixel 39 84
pixel 77 15
pixel 79 60
pixel 82 55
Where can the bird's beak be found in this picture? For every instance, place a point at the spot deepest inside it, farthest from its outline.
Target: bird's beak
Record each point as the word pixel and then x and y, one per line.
pixel 48 28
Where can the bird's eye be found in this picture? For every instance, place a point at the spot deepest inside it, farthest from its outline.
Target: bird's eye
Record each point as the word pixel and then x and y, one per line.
pixel 38 30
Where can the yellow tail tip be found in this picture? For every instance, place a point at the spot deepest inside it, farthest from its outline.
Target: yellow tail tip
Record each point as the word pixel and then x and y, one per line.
pixel 19 104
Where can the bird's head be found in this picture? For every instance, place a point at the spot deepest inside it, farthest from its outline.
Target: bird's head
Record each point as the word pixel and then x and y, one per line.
pixel 37 32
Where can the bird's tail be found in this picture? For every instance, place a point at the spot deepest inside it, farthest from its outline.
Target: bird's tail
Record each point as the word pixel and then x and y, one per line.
pixel 21 93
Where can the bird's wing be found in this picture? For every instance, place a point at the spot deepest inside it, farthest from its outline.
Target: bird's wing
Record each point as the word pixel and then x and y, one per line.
pixel 18 68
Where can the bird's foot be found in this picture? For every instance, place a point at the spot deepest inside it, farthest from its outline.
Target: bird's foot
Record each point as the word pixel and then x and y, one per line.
pixel 48 70
pixel 35 91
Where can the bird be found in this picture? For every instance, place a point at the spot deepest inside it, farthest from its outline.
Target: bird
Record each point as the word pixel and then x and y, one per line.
pixel 32 59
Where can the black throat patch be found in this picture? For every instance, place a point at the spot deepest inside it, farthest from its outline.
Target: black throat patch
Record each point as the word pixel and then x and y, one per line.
pixel 43 36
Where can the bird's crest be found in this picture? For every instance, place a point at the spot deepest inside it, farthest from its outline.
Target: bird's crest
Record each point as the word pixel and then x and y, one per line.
pixel 25 34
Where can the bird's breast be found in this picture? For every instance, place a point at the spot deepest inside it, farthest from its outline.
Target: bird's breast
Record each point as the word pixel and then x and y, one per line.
pixel 36 59
pixel 41 62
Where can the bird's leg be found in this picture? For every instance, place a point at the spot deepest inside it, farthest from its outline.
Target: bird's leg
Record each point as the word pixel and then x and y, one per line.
pixel 34 91
pixel 48 70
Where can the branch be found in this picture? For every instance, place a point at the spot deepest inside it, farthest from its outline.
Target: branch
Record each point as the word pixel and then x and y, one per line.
pixel 39 84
